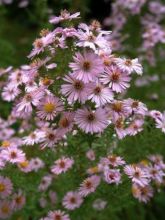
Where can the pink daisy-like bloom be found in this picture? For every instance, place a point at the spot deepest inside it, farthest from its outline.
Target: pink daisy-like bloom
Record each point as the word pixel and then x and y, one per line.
pixel 75 90
pixel 65 15
pixel 66 121
pixel 157 160
pixel 62 165
pixel 45 183
pixel 18 200
pixel 10 92
pixel 101 95
pixel 25 166
pixel 49 107
pixel 51 137
pixel 86 67
pixel 91 121
pixel 129 65
pixel 40 44
pixel 89 185
pixel 34 137
pixel 6 187
pixel 120 128
pixel 57 215
pixel 160 122
pixel 112 176
pixel 142 193
pixel 87 37
pixel 36 164
pixel 116 79
pixel 6 209
pixel 115 161
pixel 137 175
pixel 135 107
pixel 156 174
pixel 13 155
pixel 90 154
pixel 25 105
pixel 72 200
pixel 155 114
pixel 116 110
pixel 135 127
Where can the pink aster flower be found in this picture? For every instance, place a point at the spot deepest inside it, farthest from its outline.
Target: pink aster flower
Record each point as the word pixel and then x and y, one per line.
pixel 100 95
pixel 155 114
pixel 65 15
pixel 157 160
pixel 40 44
pixel 28 100
pixel 120 127
pixel 6 209
pixel 89 185
pixel 129 65
pixel 116 110
pixel 91 121
pixel 156 174
pixel 135 107
pixel 135 127
pixel 142 193
pixel 90 154
pixel 49 107
pixel 25 166
pixel 6 187
pixel 86 67
pixel 87 37
pixel 116 79
pixel 45 183
pixel 13 155
pixel 137 175
pixel 62 165
pixel 72 200
pixel 115 161
pixel 75 90
pixel 51 137
pixel 36 164
pixel 34 137
pixel 160 122
pixel 112 176
pixel 66 122
pixel 18 200
pixel 10 92
pixel 57 215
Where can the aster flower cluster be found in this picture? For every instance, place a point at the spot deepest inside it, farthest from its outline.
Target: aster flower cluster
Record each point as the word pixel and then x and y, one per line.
pixel 73 88
pixel 151 15
pixel 144 175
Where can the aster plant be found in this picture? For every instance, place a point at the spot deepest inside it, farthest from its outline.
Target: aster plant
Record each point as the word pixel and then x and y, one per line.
pixel 68 106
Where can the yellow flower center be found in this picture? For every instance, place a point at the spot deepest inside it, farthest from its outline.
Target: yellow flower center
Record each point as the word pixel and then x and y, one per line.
pixel 2 187
pixel 5 144
pixel 5 209
pixel 128 62
pixel 24 164
pixel 49 107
